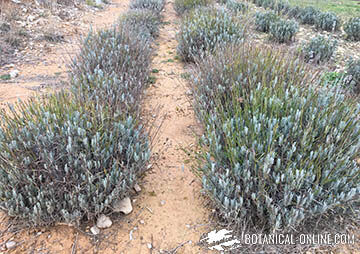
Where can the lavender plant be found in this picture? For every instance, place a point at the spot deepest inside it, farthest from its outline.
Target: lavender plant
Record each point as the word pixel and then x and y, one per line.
pixel 283 31
pixel 237 7
pixel 204 28
pixel 182 6
pixel 144 22
pixel 154 5
pixel 319 49
pixel 308 15
pixel 327 21
pixel 116 51
pixel 62 161
pixel 276 152
pixel 352 29
pixel 263 20
pixel 294 12
pixel 353 73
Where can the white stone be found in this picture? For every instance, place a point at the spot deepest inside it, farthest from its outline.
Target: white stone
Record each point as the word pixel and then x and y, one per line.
pixel 149 245
pixel 14 73
pixel 31 18
pixel 10 245
pixel 162 202
pixel 98 2
pixel 137 188
pixel 123 206
pixel 95 230
pixel 103 221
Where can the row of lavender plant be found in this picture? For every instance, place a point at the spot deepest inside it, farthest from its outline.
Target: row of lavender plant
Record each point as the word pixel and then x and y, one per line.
pixel 68 156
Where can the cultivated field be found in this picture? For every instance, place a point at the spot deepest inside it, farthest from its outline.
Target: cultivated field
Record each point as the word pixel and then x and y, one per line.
pixel 140 126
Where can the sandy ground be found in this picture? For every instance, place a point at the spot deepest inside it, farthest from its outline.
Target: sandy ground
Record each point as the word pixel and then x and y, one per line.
pixel 169 214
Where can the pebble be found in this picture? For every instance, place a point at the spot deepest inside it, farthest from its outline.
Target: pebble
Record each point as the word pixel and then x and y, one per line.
pixel 95 230
pixel 10 245
pixel 137 188
pixel 31 18
pixel 123 206
pixel 162 202
pixel 149 245
pixel 142 222
pixel 14 73
pixel 103 221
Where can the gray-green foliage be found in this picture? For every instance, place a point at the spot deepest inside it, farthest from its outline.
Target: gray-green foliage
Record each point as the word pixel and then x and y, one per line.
pixel 204 28
pixel 216 74
pixel 65 162
pixel 182 6
pixel 154 5
pixel 117 52
pixel 352 29
pixel 142 21
pixel 283 31
pixel 279 6
pixel 308 15
pixel 294 12
pixel 353 72
pixel 282 7
pixel 237 6
pixel 327 21
pixel 319 49
pixel 68 157
pixel 276 151
pixel 265 3
pixel 263 20
pixel 109 90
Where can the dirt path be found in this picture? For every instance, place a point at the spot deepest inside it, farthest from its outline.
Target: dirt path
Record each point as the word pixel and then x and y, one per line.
pixel 176 214
pixel 169 214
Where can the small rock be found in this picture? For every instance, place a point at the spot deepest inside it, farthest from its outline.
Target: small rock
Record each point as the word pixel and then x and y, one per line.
pixel 14 73
pixel 103 221
pixel 142 222
pixel 95 230
pixel 31 18
pixel 149 245
pixel 123 206
pixel 162 202
pixel 10 245
pixel 137 188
